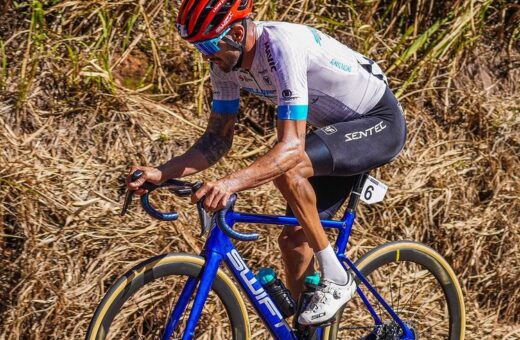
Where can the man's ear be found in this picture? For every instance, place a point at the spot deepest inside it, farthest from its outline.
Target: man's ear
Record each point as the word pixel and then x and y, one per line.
pixel 237 33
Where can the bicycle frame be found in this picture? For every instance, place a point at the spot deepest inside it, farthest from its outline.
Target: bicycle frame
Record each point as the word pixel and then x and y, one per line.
pixel 219 248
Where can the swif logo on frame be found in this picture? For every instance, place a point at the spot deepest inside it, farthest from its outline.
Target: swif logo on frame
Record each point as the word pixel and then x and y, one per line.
pixel 260 294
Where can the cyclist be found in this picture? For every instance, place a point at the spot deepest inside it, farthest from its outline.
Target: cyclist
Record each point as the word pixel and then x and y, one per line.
pixel 310 77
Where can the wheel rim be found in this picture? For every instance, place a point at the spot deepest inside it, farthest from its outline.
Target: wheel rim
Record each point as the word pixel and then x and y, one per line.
pixel 144 315
pixel 412 291
pixel 161 266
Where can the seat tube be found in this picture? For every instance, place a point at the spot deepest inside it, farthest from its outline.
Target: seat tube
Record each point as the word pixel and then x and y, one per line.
pixel 350 213
pixel 208 276
pixel 344 233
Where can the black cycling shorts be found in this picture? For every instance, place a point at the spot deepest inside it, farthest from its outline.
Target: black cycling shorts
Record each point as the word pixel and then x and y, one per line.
pixel 342 150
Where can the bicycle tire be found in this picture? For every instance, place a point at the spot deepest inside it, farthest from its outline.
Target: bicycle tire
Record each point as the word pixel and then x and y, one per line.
pixel 428 258
pixel 166 266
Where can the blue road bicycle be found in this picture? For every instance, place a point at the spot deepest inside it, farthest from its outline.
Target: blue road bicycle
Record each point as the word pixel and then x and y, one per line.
pixel 406 290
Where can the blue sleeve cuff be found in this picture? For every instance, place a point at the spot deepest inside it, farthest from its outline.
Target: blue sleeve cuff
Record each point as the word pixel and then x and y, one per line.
pixel 293 112
pixel 225 106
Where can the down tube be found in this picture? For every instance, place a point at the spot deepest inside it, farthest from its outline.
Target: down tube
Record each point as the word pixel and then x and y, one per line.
pixel 258 297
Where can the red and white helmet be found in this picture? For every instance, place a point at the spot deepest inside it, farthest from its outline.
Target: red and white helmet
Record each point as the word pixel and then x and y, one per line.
pixel 200 20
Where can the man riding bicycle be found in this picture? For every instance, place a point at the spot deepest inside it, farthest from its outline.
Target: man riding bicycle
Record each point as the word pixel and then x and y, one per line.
pixel 310 77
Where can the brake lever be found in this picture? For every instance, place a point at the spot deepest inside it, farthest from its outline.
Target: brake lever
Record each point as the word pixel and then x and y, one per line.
pixel 204 217
pixel 130 193
pixel 128 199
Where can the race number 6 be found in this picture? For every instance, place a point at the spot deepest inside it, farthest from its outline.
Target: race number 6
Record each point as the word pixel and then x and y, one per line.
pixel 368 192
pixel 373 191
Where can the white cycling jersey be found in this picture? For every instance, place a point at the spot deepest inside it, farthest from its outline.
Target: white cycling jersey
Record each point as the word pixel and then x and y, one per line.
pixel 306 73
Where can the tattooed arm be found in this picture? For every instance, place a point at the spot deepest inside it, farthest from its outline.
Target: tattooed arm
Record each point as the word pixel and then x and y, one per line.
pixel 287 154
pixel 211 146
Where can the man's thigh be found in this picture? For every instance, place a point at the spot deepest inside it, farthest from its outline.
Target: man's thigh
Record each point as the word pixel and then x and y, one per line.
pixel 356 146
pixel 359 145
pixel 331 193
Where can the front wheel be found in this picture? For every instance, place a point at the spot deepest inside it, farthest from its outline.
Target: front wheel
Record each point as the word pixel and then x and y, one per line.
pixel 138 305
pixel 420 287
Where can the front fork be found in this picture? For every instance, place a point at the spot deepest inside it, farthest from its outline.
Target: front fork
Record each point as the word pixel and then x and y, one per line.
pixel 207 276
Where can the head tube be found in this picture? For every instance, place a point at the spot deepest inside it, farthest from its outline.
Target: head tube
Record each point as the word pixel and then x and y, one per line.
pixel 210 46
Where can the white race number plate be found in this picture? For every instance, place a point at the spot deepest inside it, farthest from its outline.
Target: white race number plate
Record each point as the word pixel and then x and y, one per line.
pixel 373 191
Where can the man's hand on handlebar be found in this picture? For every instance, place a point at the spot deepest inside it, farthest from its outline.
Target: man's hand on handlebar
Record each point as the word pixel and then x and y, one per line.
pixel 150 174
pixel 212 196
pixel 216 195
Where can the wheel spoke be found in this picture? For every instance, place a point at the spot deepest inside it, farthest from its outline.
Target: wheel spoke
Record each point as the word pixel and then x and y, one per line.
pixel 391 282
pixel 425 302
pixel 431 327
pixel 412 290
pixel 399 292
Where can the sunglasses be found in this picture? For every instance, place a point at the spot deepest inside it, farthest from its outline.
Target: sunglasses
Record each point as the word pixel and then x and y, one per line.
pixel 210 46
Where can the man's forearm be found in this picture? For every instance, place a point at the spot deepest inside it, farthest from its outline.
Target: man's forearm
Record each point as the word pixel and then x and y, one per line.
pixel 187 164
pixel 281 158
pixel 203 154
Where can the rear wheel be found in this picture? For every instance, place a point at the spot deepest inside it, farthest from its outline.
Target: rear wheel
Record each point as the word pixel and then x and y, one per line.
pixel 139 304
pixel 420 287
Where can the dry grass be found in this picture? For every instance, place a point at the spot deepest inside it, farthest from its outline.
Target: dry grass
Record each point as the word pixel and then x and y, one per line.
pixel 88 88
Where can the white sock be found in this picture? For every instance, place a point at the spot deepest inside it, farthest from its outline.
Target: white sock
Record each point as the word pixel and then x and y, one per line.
pixel 330 267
